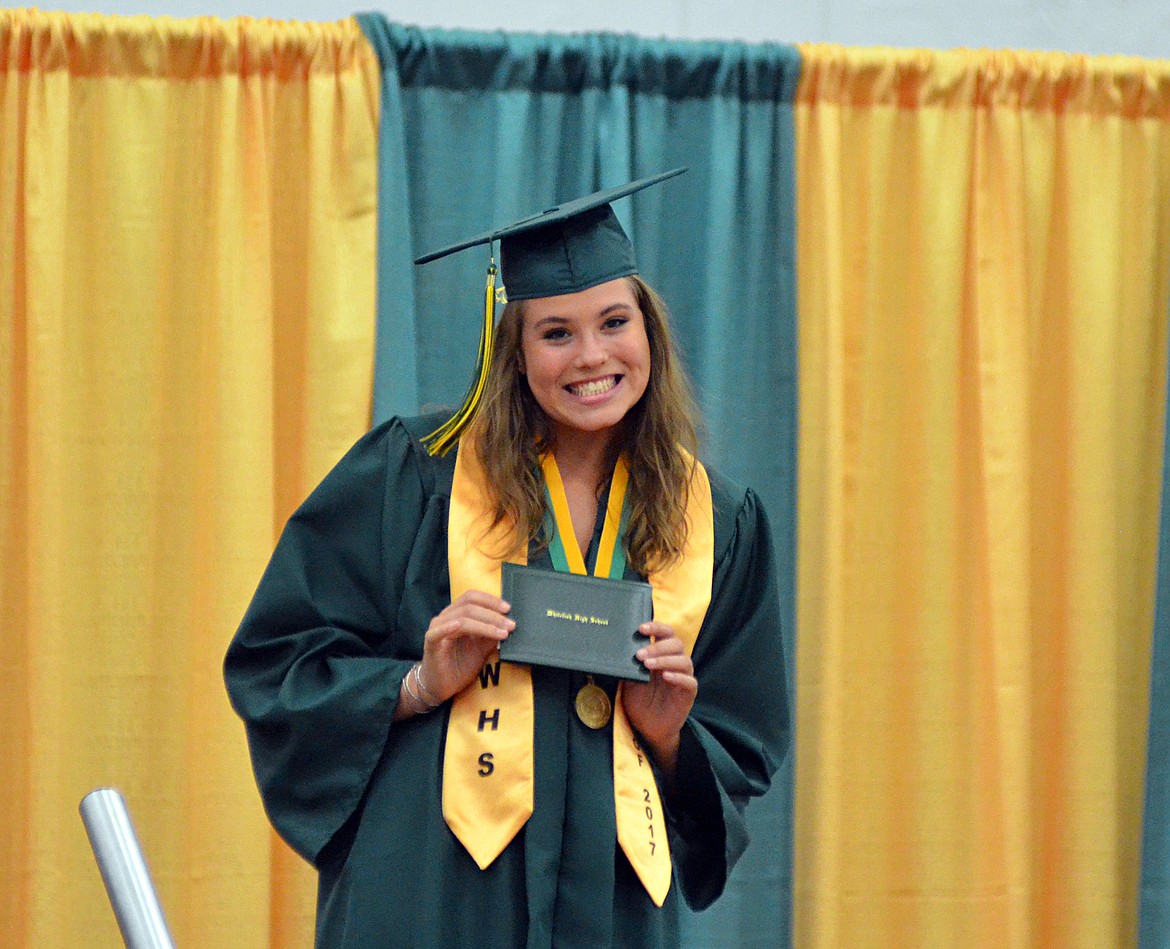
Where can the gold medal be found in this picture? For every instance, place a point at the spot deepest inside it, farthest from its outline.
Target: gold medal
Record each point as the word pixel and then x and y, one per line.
pixel 593 705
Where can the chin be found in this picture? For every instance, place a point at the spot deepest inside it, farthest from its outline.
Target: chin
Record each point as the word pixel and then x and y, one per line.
pixel 602 425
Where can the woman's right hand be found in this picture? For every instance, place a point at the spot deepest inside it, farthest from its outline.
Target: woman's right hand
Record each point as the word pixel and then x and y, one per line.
pixel 461 639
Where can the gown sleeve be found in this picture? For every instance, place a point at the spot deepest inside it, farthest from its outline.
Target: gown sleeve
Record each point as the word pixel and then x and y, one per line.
pixel 315 667
pixel 739 728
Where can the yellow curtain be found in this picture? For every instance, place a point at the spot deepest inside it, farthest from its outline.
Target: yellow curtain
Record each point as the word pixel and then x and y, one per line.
pixel 187 253
pixel 983 245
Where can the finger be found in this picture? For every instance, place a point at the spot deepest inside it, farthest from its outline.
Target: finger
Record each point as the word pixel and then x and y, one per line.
pixel 671 675
pixel 661 647
pixel 460 626
pixel 674 663
pixel 477 613
pixel 479 598
pixel 681 681
pixel 656 631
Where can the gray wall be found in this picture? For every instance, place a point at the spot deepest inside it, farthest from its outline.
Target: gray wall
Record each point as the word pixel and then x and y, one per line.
pixel 1130 27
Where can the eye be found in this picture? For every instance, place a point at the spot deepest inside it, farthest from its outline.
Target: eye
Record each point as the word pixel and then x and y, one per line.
pixel 616 322
pixel 555 334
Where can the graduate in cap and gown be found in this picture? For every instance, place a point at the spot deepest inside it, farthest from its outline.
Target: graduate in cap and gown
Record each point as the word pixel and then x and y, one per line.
pixel 447 797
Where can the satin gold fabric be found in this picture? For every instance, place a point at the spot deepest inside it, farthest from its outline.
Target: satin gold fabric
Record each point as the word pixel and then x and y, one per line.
pixel 488 775
pixel 186 343
pixel 984 245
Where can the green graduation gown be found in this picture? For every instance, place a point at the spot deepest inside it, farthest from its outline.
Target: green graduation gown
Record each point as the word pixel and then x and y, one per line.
pixel 314 672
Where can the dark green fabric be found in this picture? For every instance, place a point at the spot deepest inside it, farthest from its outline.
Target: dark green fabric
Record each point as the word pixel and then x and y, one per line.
pixel 566 248
pixel 339 617
pixel 480 128
pixel 1154 909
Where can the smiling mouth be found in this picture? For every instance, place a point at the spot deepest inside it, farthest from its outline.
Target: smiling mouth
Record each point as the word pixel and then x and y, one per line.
pixel 594 386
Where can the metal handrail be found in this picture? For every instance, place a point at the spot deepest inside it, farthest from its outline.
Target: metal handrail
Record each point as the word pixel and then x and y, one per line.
pixel 128 883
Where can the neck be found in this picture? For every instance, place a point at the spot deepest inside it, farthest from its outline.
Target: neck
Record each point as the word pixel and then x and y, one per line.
pixel 584 457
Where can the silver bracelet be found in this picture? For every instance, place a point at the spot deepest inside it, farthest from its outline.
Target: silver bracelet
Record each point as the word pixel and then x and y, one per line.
pixel 423 690
pixel 421 705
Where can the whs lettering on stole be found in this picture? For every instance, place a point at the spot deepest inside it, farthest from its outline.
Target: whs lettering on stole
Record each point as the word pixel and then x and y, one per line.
pixel 488 774
pixel 489 721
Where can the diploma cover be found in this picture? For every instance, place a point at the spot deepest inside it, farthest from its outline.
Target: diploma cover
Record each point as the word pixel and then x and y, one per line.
pixel 588 624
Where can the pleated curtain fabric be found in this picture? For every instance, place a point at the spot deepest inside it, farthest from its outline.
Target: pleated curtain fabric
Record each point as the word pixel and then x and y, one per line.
pixel 186 346
pixel 983 285
pixel 481 129
pixel 188 263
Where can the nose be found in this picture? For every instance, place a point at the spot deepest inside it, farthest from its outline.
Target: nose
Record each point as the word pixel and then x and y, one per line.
pixel 592 351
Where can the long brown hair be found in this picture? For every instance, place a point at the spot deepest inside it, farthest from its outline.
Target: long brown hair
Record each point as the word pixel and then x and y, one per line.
pixel 510 425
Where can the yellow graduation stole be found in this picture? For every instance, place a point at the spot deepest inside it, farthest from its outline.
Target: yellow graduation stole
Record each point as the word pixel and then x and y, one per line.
pixel 488 774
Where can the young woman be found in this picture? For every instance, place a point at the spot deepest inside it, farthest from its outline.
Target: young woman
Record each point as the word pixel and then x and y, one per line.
pixel 448 798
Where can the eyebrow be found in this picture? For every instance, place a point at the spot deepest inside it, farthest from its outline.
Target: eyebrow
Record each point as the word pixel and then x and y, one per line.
pixel 606 312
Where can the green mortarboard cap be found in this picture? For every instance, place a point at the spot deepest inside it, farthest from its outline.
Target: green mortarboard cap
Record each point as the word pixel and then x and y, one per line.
pixel 563 249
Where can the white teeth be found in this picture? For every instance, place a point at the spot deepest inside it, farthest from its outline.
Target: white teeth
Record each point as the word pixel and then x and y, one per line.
pixel 596 387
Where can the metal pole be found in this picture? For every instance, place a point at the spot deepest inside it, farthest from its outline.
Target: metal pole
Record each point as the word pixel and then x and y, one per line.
pixel 111 835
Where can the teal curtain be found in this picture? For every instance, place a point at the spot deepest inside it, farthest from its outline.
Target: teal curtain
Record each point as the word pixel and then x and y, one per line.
pixel 479 129
pixel 1154 911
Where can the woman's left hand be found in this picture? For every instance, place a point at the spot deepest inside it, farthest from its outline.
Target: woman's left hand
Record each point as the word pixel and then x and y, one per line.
pixel 657 709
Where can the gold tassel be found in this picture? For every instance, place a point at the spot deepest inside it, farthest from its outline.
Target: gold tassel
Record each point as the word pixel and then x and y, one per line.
pixel 443 438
